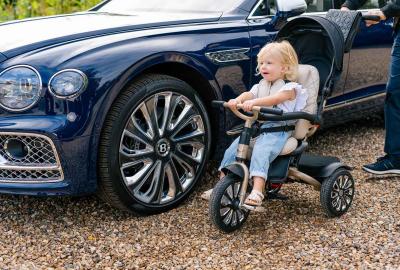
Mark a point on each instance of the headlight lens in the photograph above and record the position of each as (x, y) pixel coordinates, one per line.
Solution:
(68, 83)
(20, 88)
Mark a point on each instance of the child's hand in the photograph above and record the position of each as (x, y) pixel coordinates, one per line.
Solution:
(248, 105)
(232, 103)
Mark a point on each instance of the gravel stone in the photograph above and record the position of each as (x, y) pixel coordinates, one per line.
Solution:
(85, 233)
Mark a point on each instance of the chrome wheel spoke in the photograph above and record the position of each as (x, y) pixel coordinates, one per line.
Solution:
(151, 106)
(174, 180)
(196, 136)
(185, 112)
(224, 211)
(188, 119)
(344, 204)
(335, 202)
(334, 194)
(128, 155)
(234, 219)
(141, 118)
(228, 218)
(349, 191)
(193, 162)
(339, 204)
(186, 161)
(348, 183)
(336, 186)
(226, 201)
(340, 181)
(347, 199)
(229, 192)
(141, 169)
(167, 112)
(137, 138)
(236, 189)
(150, 188)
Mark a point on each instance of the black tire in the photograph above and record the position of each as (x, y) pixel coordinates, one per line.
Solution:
(224, 209)
(337, 193)
(154, 145)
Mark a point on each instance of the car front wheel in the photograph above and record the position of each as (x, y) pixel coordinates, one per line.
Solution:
(154, 145)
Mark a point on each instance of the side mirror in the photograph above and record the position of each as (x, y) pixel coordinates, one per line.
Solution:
(287, 9)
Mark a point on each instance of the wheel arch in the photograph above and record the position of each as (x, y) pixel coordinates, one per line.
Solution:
(179, 66)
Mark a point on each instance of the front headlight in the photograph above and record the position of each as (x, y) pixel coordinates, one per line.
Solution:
(68, 83)
(20, 88)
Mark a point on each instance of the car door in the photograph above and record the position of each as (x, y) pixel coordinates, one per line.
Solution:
(263, 31)
(369, 57)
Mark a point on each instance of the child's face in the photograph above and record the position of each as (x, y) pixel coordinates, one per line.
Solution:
(271, 68)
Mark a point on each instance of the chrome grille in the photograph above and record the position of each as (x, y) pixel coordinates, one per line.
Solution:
(25, 175)
(40, 150)
(40, 164)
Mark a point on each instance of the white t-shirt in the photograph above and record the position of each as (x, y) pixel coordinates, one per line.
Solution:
(265, 88)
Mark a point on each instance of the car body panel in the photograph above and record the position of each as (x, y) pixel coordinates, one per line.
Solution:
(47, 31)
(369, 58)
(113, 53)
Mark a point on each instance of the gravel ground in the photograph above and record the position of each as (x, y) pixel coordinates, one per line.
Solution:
(84, 233)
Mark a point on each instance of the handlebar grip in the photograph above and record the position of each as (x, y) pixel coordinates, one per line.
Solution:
(375, 18)
(217, 103)
(271, 111)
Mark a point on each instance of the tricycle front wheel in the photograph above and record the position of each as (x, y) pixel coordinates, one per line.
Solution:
(224, 206)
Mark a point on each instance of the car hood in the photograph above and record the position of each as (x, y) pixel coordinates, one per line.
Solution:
(23, 36)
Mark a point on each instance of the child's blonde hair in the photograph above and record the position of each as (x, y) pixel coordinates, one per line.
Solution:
(286, 53)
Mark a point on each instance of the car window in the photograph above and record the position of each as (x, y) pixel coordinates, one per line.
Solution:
(265, 8)
(370, 4)
(319, 5)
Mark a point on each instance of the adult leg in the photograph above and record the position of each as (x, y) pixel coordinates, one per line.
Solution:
(391, 162)
(392, 104)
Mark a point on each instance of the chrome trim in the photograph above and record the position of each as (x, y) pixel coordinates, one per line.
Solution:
(214, 56)
(28, 168)
(80, 91)
(37, 97)
(353, 101)
(56, 167)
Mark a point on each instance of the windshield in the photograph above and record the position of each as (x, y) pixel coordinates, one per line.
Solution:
(133, 6)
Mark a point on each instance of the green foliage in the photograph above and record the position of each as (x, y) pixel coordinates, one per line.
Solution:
(20, 9)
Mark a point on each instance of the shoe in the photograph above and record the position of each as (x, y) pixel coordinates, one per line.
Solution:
(383, 165)
(254, 199)
(206, 195)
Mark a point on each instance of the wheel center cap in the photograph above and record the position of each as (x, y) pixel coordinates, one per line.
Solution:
(341, 193)
(163, 147)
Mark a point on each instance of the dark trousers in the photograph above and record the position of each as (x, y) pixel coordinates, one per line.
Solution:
(392, 103)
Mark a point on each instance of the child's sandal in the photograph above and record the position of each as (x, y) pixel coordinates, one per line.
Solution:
(255, 198)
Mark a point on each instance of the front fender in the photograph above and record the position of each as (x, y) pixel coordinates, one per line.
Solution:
(145, 64)
(327, 171)
(235, 169)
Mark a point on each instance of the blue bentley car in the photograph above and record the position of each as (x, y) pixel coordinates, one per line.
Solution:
(117, 100)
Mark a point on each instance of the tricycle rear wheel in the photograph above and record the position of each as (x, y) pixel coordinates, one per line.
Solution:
(337, 193)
